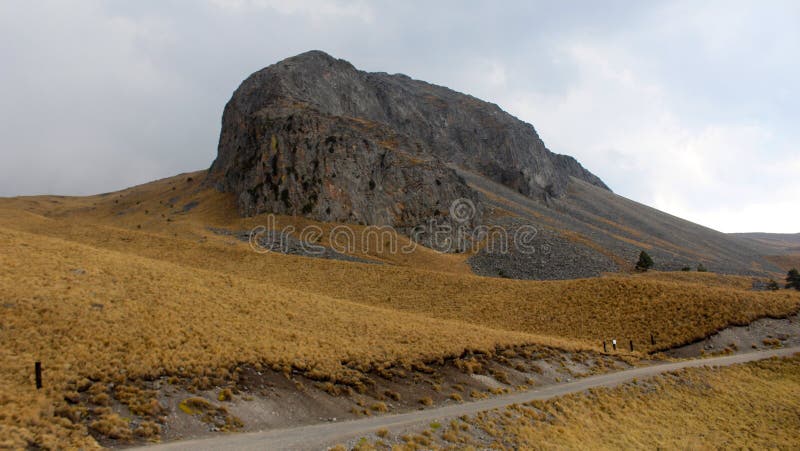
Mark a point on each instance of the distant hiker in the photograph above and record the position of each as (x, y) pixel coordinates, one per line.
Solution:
(614, 344)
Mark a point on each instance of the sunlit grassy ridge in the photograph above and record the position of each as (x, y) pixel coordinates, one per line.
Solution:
(674, 307)
(160, 208)
(750, 406)
(706, 279)
(133, 285)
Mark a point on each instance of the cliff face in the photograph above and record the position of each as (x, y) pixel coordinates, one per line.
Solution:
(312, 135)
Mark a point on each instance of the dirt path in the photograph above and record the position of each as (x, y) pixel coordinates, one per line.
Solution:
(321, 435)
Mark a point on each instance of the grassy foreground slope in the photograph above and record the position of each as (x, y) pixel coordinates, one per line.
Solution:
(111, 317)
(751, 406)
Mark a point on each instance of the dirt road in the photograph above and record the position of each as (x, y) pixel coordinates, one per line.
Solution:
(319, 436)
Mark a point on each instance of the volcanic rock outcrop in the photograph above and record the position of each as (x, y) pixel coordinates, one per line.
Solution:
(314, 136)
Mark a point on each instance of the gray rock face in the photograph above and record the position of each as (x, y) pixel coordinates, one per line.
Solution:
(312, 135)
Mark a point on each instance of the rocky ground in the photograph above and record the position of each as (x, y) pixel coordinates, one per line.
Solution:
(589, 231)
(266, 398)
(764, 333)
(274, 241)
(550, 256)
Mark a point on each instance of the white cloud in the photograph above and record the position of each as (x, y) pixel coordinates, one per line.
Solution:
(317, 9)
(628, 129)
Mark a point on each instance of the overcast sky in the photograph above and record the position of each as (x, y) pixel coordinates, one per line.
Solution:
(690, 107)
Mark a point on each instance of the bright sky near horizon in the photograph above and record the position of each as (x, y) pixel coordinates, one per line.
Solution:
(689, 107)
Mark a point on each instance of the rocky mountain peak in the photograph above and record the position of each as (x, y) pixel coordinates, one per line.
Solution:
(313, 135)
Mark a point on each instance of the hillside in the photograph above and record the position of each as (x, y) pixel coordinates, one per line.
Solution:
(140, 287)
(782, 249)
(773, 243)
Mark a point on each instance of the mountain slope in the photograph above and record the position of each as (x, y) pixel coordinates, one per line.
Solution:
(782, 249)
(773, 243)
(590, 230)
(313, 136)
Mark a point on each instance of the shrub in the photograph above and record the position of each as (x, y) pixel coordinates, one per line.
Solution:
(225, 394)
(379, 407)
(100, 399)
(701, 268)
(793, 279)
(450, 436)
(686, 268)
(426, 401)
(193, 406)
(477, 395)
(112, 426)
(148, 429)
(773, 286)
(501, 376)
(329, 388)
(645, 262)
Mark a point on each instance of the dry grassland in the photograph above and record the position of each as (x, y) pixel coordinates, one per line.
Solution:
(111, 317)
(747, 406)
(676, 308)
(131, 286)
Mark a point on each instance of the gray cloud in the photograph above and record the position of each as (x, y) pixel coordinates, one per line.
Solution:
(684, 106)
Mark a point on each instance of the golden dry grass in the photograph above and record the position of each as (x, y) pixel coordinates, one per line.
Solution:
(157, 208)
(751, 406)
(675, 307)
(87, 312)
(125, 286)
(704, 279)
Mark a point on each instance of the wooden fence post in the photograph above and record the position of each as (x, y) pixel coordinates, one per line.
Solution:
(37, 367)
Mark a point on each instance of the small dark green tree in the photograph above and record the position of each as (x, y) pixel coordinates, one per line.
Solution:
(686, 269)
(793, 279)
(645, 262)
(773, 286)
(701, 268)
